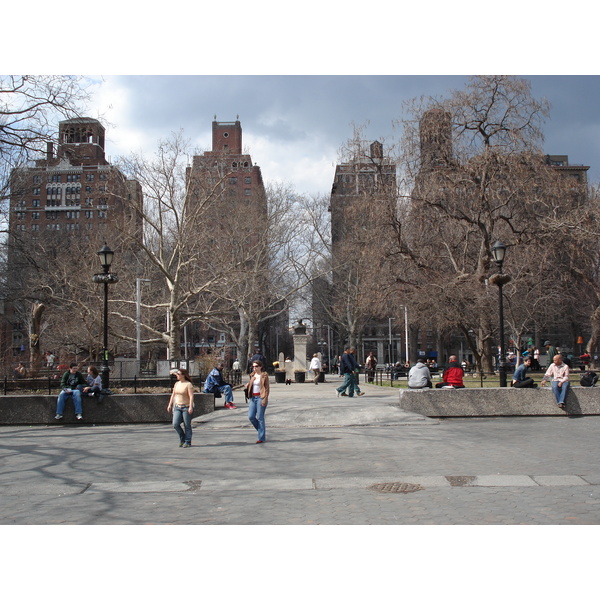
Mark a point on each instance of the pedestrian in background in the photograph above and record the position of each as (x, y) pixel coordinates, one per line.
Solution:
(419, 376)
(315, 367)
(370, 366)
(520, 379)
(452, 376)
(347, 369)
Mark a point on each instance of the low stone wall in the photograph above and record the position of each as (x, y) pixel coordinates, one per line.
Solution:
(116, 408)
(499, 402)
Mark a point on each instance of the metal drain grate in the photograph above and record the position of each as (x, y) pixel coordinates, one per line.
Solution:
(396, 487)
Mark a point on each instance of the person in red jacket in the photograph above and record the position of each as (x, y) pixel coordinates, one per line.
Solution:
(453, 375)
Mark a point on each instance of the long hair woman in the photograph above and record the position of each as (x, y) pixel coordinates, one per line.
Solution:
(258, 398)
(182, 405)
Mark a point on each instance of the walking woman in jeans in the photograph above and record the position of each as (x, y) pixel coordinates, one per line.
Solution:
(258, 398)
(182, 405)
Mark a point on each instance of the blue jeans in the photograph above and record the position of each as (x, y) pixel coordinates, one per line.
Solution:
(560, 392)
(348, 383)
(226, 389)
(256, 416)
(181, 415)
(62, 398)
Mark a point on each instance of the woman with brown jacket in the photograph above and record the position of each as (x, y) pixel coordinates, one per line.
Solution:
(258, 398)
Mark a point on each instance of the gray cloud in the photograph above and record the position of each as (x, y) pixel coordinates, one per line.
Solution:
(289, 118)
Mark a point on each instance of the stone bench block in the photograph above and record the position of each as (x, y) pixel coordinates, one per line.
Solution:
(499, 402)
(115, 409)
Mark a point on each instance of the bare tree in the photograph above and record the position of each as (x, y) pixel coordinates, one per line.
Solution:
(477, 174)
(30, 105)
(173, 250)
(269, 251)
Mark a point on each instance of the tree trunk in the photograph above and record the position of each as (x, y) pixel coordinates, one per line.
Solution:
(35, 355)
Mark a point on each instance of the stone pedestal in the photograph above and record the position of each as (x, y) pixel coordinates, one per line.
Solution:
(300, 343)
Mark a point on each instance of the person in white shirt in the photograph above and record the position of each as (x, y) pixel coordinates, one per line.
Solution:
(315, 367)
(558, 372)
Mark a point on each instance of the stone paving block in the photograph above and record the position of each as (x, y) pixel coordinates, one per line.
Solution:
(503, 481)
(138, 486)
(43, 489)
(257, 484)
(559, 480)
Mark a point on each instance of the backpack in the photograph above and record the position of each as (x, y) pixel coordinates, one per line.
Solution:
(588, 379)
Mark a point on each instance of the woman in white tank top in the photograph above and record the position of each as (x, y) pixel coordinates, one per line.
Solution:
(258, 398)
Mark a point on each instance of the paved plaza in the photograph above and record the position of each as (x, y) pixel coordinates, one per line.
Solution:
(327, 461)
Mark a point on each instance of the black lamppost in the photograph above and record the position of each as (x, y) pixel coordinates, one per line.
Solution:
(106, 257)
(499, 279)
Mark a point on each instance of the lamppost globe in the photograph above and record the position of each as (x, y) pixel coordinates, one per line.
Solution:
(106, 257)
(498, 251)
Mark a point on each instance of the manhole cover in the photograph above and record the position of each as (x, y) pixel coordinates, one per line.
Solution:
(396, 487)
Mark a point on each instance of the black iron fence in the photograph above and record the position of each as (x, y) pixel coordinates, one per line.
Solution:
(50, 384)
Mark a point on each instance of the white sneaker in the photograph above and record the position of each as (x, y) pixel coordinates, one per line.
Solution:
(79, 417)
(337, 393)
(58, 417)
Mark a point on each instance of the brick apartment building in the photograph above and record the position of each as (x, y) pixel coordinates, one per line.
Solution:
(356, 182)
(72, 193)
(227, 175)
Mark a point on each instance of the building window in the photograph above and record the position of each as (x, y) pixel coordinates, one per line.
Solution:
(103, 176)
(36, 191)
(35, 215)
(89, 177)
(36, 202)
(247, 180)
(37, 179)
(248, 192)
(35, 227)
(89, 214)
(233, 180)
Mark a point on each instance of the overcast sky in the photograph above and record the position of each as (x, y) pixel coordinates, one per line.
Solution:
(313, 70)
(293, 126)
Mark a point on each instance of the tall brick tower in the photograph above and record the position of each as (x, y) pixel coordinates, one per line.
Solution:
(226, 173)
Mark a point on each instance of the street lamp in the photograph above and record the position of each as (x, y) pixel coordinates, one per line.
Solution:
(499, 279)
(106, 257)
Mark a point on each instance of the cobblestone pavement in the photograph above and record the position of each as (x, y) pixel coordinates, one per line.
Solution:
(317, 467)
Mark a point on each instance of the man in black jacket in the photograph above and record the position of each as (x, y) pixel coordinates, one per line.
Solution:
(348, 367)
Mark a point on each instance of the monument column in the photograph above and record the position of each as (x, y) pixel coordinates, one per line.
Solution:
(300, 342)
